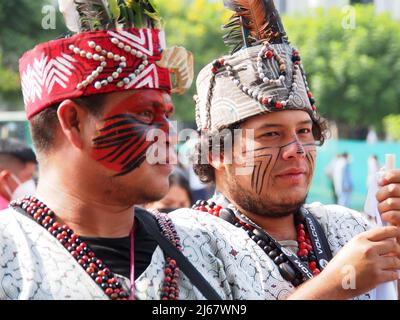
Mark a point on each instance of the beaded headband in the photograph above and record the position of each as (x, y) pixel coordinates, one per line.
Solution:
(263, 76)
(93, 63)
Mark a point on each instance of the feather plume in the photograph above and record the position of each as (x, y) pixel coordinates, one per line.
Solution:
(71, 15)
(145, 13)
(252, 22)
(94, 15)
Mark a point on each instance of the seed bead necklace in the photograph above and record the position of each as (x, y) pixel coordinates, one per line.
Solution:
(87, 259)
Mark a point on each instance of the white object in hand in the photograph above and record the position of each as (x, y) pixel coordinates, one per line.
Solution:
(387, 290)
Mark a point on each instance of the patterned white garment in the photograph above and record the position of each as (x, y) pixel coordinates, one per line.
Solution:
(33, 265)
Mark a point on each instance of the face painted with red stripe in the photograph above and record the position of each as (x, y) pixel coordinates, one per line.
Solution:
(121, 142)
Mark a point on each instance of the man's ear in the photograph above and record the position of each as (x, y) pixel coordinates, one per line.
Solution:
(71, 118)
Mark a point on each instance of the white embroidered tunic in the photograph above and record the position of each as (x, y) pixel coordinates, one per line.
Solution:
(34, 265)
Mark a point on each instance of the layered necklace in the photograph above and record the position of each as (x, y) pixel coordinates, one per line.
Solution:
(94, 266)
(295, 269)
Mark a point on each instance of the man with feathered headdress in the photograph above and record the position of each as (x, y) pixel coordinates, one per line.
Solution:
(259, 131)
(96, 102)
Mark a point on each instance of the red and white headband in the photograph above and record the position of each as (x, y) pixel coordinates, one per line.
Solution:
(93, 63)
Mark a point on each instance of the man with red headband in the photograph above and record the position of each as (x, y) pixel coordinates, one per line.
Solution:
(94, 101)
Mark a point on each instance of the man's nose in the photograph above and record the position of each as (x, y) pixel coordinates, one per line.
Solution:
(293, 149)
(172, 132)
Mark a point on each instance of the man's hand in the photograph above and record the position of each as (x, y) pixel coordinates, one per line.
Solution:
(388, 197)
(373, 257)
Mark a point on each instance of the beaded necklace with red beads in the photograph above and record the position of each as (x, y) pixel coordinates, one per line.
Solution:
(286, 268)
(87, 259)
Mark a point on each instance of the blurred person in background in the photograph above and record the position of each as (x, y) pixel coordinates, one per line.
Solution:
(179, 194)
(373, 168)
(343, 180)
(17, 170)
(329, 171)
(198, 189)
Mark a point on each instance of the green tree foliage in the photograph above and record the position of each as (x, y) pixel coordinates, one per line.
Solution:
(354, 73)
(195, 25)
(20, 30)
(392, 126)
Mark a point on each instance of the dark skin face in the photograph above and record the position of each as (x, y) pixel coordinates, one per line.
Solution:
(282, 164)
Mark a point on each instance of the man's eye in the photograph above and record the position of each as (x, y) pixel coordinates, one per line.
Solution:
(271, 134)
(145, 116)
(305, 131)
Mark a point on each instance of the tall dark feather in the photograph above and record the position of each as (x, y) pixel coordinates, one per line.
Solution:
(255, 21)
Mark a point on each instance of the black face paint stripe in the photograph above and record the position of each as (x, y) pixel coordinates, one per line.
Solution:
(116, 125)
(117, 133)
(264, 173)
(141, 142)
(259, 163)
(290, 143)
(255, 178)
(254, 173)
(112, 142)
(132, 166)
(259, 170)
(121, 136)
(123, 116)
(117, 152)
(262, 148)
(300, 149)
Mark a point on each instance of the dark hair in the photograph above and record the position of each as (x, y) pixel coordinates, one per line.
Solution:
(17, 149)
(177, 178)
(45, 124)
(207, 142)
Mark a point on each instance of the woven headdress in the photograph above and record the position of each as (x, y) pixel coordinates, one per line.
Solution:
(262, 74)
(116, 45)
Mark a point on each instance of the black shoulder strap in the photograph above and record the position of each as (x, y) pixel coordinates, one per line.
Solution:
(194, 276)
(319, 234)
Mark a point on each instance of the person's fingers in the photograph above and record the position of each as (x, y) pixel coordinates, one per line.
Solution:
(382, 233)
(387, 246)
(390, 204)
(391, 217)
(388, 275)
(390, 263)
(388, 191)
(392, 176)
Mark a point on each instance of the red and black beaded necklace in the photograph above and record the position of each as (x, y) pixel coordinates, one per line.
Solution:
(87, 259)
(288, 271)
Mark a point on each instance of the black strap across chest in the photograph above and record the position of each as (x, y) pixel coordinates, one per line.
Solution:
(151, 226)
(195, 277)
